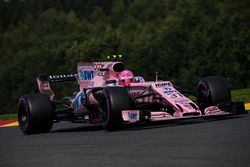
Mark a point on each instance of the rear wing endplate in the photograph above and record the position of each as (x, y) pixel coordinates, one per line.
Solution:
(44, 81)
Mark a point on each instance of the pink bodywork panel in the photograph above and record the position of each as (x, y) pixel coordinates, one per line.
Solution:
(44, 87)
(170, 96)
(90, 75)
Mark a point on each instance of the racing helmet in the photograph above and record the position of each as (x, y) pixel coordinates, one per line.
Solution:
(125, 77)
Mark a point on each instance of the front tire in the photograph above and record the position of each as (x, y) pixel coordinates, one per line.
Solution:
(113, 101)
(212, 90)
(35, 113)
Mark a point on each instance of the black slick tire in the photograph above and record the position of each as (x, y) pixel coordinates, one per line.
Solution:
(35, 113)
(212, 90)
(113, 101)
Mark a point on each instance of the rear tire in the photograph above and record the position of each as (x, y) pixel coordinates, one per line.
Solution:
(35, 113)
(212, 90)
(113, 101)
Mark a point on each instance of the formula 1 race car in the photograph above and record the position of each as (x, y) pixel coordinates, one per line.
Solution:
(111, 96)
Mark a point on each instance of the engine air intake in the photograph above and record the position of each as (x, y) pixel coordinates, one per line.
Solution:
(118, 67)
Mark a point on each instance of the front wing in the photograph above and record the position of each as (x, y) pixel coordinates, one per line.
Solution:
(222, 110)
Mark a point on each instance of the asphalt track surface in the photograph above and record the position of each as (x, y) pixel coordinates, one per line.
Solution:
(190, 143)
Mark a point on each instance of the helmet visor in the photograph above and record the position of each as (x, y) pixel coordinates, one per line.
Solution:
(125, 81)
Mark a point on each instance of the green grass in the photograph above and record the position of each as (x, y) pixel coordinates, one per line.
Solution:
(237, 95)
(241, 95)
(8, 116)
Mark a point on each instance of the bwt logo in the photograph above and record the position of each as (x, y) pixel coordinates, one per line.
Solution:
(132, 116)
(86, 75)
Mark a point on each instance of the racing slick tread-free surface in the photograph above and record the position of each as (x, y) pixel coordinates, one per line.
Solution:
(35, 113)
(115, 99)
(213, 90)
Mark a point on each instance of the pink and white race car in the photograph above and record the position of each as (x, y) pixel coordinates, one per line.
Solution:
(110, 95)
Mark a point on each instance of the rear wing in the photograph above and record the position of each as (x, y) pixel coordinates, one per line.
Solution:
(58, 77)
(44, 81)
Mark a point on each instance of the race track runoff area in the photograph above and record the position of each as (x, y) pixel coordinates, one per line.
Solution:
(7, 123)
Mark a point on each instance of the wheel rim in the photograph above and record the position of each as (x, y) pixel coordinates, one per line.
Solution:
(23, 115)
(104, 110)
(203, 94)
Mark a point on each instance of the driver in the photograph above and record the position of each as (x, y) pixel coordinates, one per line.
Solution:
(125, 77)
